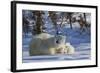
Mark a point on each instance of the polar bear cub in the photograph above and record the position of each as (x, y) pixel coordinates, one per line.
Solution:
(65, 49)
(70, 48)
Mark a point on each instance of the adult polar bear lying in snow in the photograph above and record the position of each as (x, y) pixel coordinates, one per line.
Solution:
(46, 44)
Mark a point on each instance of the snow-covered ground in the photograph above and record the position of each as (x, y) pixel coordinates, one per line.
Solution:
(82, 51)
(81, 43)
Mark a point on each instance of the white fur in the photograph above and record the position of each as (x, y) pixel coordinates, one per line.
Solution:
(45, 44)
(70, 48)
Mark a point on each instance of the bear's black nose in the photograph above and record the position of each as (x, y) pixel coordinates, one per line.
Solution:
(57, 42)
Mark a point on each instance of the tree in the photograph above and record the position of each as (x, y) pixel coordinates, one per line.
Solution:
(53, 17)
(84, 17)
(67, 15)
(25, 25)
(86, 24)
(39, 22)
(70, 17)
(62, 16)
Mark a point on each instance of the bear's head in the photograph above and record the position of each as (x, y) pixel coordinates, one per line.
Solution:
(60, 39)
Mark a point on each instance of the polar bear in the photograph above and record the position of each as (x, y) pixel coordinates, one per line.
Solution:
(46, 44)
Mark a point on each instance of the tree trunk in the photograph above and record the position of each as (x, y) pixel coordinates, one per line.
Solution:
(39, 23)
(85, 20)
(70, 21)
(53, 17)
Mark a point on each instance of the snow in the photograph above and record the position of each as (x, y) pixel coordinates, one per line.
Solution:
(80, 41)
(81, 52)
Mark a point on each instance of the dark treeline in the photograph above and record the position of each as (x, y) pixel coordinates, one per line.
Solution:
(35, 20)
